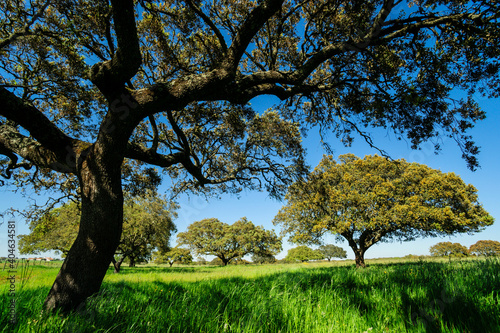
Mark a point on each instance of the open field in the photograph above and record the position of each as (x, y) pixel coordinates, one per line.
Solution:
(388, 296)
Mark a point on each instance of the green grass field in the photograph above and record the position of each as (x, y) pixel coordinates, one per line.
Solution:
(404, 296)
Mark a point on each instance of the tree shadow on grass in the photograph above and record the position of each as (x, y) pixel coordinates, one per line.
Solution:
(158, 270)
(435, 306)
(418, 296)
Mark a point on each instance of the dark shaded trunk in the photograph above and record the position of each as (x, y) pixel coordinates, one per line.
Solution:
(359, 250)
(225, 261)
(131, 262)
(99, 234)
(359, 257)
(170, 263)
(117, 264)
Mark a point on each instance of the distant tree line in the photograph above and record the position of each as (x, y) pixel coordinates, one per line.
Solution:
(487, 248)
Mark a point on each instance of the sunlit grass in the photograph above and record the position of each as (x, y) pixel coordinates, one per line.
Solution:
(416, 296)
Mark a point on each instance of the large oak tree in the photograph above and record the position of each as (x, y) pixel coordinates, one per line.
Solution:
(88, 85)
(374, 199)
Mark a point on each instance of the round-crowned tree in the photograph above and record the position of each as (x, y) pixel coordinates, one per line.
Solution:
(449, 249)
(486, 248)
(229, 241)
(303, 253)
(330, 251)
(365, 201)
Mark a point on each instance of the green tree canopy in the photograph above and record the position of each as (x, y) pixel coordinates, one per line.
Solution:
(229, 241)
(330, 251)
(172, 256)
(374, 199)
(263, 259)
(148, 224)
(485, 248)
(442, 249)
(88, 87)
(303, 253)
(55, 230)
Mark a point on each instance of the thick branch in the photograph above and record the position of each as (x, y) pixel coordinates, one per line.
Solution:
(34, 121)
(253, 23)
(127, 59)
(31, 150)
(176, 94)
(13, 162)
(139, 153)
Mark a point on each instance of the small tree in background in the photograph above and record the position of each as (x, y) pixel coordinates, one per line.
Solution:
(330, 251)
(228, 242)
(486, 248)
(263, 259)
(176, 254)
(442, 249)
(217, 262)
(201, 261)
(148, 221)
(303, 253)
(55, 230)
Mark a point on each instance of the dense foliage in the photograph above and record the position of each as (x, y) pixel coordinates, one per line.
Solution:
(374, 199)
(485, 248)
(330, 251)
(303, 253)
(442, 249)
(263, 259)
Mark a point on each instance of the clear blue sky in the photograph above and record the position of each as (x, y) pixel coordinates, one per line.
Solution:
(260, 209)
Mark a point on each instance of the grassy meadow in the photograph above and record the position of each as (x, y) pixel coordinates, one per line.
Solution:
(398, 296)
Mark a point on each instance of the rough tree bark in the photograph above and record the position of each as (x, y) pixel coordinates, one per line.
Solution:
(99, 234)
(359, 257)
(359, 250)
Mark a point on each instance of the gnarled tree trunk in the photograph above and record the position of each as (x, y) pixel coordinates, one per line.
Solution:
(359, 257)
(117, 264)
(358, 249)
(99, 234)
